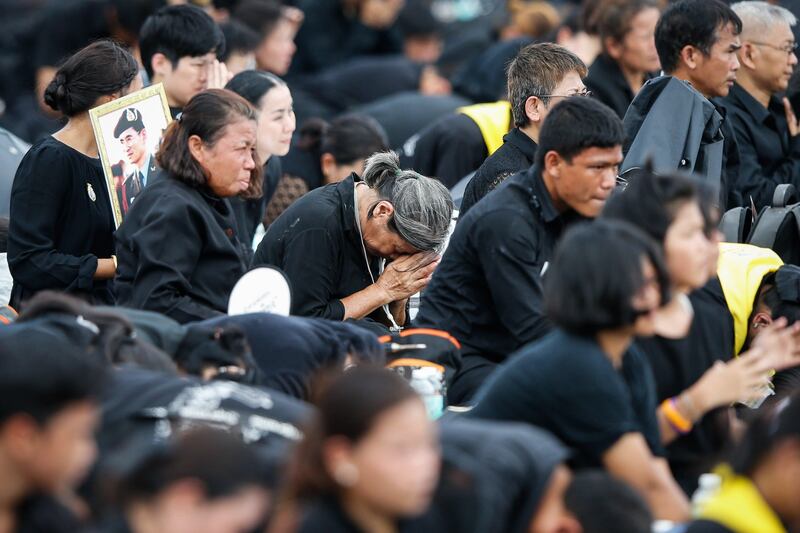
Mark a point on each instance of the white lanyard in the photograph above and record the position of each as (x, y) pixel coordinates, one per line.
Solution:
(381, 262)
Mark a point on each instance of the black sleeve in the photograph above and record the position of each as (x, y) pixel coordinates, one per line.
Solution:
(309, 261)
(162, 275)
(729, 193)
(509, 256)
(752, 181)
(643, 391)
(706, 526)
(40, 187)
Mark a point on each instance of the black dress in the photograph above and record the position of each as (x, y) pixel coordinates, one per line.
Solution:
(60, 224)
(178, 252)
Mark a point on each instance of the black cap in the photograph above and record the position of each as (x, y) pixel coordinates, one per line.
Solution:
(130, 118)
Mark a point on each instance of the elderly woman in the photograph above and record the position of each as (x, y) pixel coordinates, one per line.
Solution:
(178, 252)
(332, 243)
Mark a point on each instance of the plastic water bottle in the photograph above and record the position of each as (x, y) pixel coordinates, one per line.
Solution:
(708, 485)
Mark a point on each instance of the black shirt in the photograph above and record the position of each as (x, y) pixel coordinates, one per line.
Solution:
(60, 223)
(449, 149)
(567, 385)
(515, 155)
(608, 84)
(707, 526)
(769, 156)
(318, 246)
(678, 364)
(326, 514)
(487, 289)
(178, 252)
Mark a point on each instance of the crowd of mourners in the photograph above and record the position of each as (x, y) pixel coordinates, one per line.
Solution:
(542, 258)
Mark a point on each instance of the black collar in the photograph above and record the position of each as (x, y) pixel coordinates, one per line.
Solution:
(521, 142)
(745, 100)
(539, 196)
(346, 190)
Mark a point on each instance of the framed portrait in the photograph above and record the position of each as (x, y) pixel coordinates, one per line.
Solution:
(128, 132)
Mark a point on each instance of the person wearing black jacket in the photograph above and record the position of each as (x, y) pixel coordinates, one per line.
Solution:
(629, 55)
(60, 234)
(487, 289)
(541, 75)
(766, 129)
(178, 250)
(332, 243)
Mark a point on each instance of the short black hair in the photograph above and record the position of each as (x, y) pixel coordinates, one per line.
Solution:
(691, 22)
(179, 31)
(131, 14)
(252, 85)
(43, 371)
(780, 293)
(594, 275)
(603, 504)
(650, 202)
(348, 138)
(575, 124)
(238, 38)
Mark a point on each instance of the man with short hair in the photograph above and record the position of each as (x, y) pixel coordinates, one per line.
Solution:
(487, 289)
(47, 421)
(673, 121)
(180, 46)
(766, 128)
(132, 135)
(541, 75)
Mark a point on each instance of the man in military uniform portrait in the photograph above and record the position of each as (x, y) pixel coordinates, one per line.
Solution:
(132, 136)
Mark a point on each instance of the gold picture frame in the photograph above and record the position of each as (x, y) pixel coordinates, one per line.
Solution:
(128, 132)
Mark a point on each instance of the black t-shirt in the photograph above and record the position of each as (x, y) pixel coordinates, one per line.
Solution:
(515, 155)
(60, 223)
(706, 526)
(678, 364)
(326, 514)
(487, 290)
(567, 385)
(449, 149)
(317, 245)
(178, 252)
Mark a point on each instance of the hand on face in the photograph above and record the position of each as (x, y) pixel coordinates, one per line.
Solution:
(217, 75)
(408, 274)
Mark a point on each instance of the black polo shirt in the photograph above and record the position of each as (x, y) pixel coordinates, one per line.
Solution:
(567, 385)
(487, 289)
(769, 156)
(515, 155)
(608, 84)
(317, 245)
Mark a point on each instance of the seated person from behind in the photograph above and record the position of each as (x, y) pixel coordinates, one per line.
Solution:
(333, 242)
(539, 77)
(487, 290)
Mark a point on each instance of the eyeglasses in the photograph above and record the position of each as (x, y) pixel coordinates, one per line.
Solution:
(582, 93)
(788, 49)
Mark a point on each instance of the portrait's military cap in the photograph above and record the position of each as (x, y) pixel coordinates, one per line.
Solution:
(130, 118)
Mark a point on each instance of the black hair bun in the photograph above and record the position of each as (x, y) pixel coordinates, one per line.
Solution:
(57, 95)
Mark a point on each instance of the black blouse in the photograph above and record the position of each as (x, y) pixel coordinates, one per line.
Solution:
(60, 223)
(317, 244)
(178, 252)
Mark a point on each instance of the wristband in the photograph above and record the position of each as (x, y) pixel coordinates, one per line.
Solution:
(678, 422)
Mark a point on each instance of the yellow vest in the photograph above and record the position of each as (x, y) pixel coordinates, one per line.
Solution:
(493, 119)
(739, 506)
(740, 269)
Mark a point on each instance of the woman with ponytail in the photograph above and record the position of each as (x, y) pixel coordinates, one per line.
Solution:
(178, 250)
(333, 243)
(61, 227)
